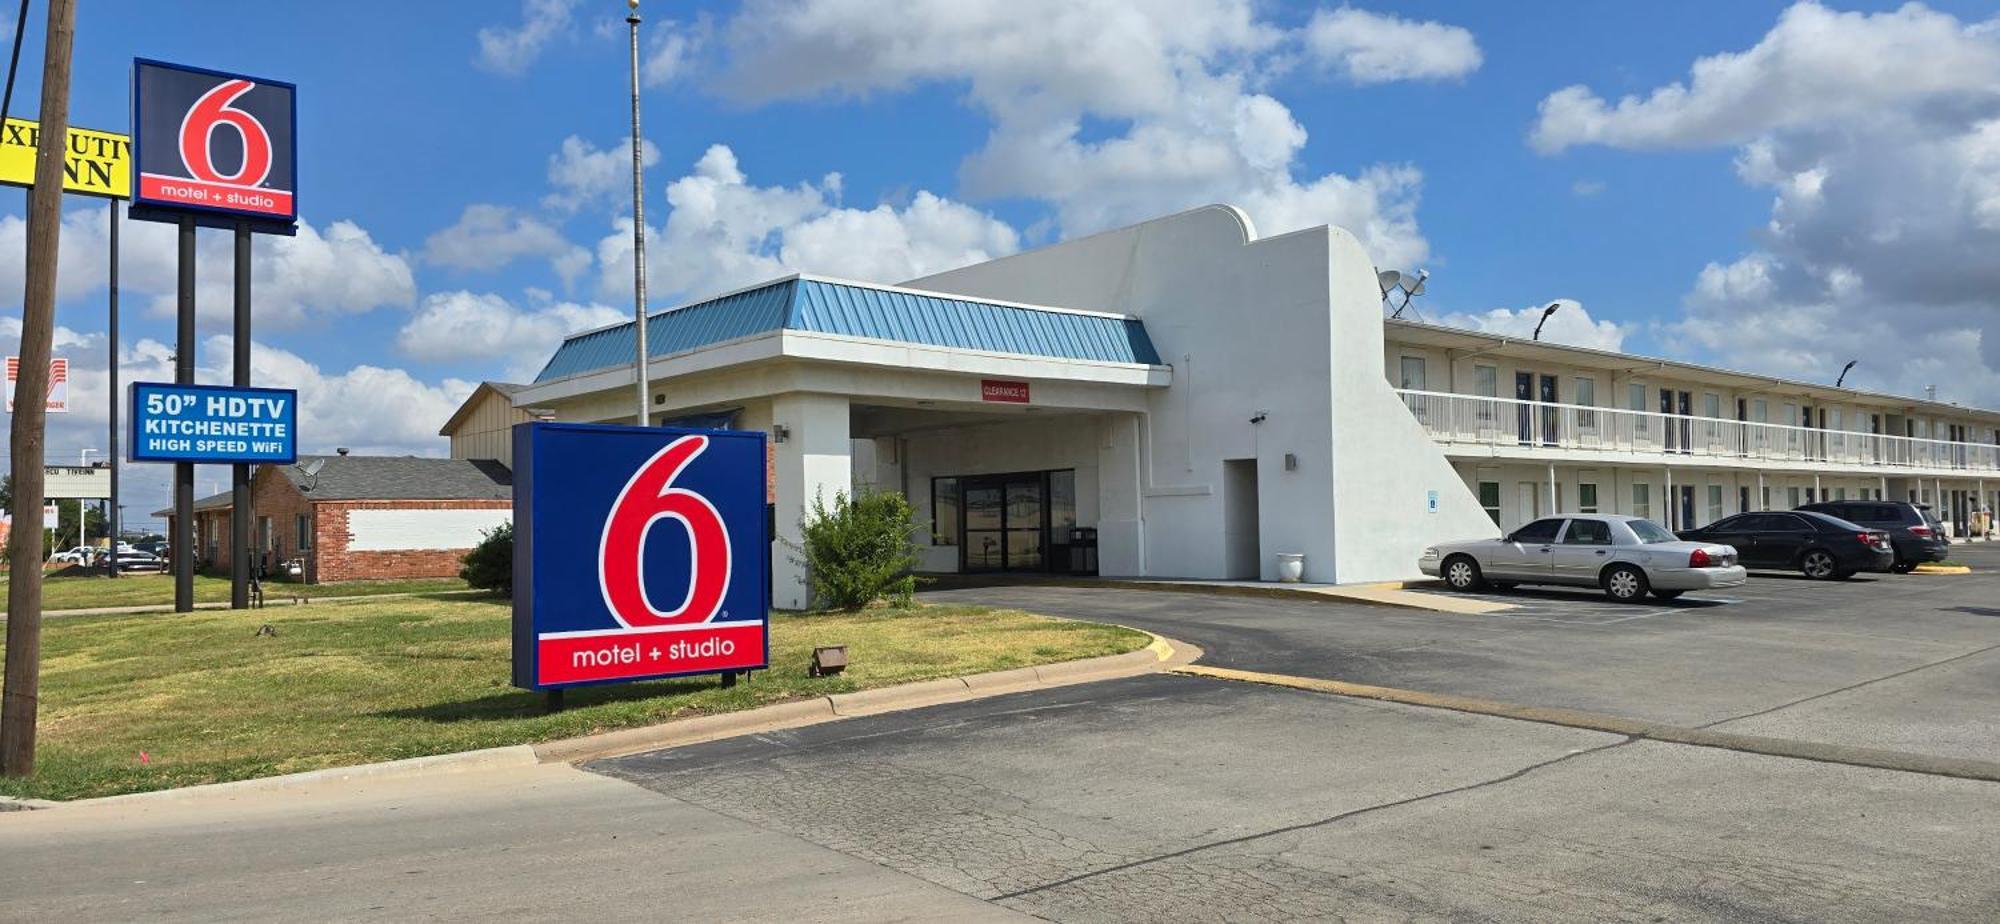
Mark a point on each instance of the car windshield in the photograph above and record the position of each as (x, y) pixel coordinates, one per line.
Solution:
(1650, 532)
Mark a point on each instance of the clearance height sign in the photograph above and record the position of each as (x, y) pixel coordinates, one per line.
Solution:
(639, 552)
(215, 142)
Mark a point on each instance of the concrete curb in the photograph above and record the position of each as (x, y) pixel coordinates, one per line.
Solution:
(1159, 655)
(14, 804)
(1940, 569)
(519, 755)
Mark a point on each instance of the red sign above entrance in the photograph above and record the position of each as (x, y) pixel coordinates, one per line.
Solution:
(1003, 390)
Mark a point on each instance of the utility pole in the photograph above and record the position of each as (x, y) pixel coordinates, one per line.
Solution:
(22, 691)
(638, 229)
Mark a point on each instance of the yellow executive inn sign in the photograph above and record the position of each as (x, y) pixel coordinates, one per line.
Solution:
(97, 163)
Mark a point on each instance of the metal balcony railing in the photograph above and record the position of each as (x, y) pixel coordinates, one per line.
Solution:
(1452, 418)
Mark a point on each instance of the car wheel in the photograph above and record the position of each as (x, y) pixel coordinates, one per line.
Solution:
(1903, 567)
(1625, 584)
(1461, 573)
(1818, 564)
(1668, 594)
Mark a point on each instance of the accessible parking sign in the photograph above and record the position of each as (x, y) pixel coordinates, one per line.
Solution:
(213, 423)
(639, 553)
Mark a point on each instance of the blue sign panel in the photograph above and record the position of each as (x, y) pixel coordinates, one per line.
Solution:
(213, 423)
(639, 552)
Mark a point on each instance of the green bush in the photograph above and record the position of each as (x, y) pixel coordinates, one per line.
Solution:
(490, 564)
(861, 550)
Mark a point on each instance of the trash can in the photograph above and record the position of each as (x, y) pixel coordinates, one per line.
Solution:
(1291, 567)
(1083, 550)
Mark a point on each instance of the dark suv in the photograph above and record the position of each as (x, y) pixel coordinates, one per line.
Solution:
(1917, 535)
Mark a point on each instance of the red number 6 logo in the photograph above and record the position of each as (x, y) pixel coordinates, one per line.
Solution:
(647, 498)
(198, 127)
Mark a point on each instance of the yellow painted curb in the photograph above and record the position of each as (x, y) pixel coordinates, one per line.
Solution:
(1941, 569)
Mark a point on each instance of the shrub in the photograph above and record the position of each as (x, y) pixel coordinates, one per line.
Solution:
(490, 564)
(861, 550)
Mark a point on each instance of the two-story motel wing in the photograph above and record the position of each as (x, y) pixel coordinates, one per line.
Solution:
(1181, 398)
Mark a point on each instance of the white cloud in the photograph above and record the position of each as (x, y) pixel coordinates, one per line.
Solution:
(489, 237)
(368, 408)
(1376, 48)
(583, 175)
(674, 50)
(1177, 81)
(512, 49)
(1570, 324)
(722, 231)
(1814, 68)
(1585, 189)
(1878, 138)
(293, 279)
(465, 325)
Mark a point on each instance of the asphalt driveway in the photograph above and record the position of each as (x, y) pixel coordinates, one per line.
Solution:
(1176, 798)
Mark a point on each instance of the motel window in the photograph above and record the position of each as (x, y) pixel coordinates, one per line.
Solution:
(265, 538)
(1486, 382)
(1767, 498)
(1642, 500)
(1839, 494)
(1489, 498)
(944, 511)
(1711, 405)
(1760, 411)
(1714, 502)
(1791, 498)
(1586, 497)
(304, 530)
(1635, 400)
(1413, 373)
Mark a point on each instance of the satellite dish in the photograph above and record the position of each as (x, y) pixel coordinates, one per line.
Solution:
(1418, 289)
(312, 468)
(1388, 279)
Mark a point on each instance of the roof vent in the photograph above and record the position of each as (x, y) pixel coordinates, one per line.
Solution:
(342, 450)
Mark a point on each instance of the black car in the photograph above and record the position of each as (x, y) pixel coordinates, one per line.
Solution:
(1819, 546)
(1915, 533)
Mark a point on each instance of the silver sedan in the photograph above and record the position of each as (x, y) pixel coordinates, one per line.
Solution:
(1628, 557)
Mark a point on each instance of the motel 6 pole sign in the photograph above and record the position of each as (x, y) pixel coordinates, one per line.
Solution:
(639, 553)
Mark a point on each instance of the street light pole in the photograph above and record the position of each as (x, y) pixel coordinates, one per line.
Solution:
(638, 230)
(1551, 309)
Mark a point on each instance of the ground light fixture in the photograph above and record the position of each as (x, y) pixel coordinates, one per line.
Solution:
(827, 660)
(1551, 309)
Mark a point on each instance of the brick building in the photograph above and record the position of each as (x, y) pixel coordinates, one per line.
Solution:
(347, 517)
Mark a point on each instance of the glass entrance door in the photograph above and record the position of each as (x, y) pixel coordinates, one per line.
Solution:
(1006, 523)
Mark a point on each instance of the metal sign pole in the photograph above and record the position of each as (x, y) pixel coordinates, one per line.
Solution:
(239, 473)
(111, 512)
(183, 540)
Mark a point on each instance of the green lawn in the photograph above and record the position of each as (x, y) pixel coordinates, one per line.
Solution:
(77, 592)
(207, 699)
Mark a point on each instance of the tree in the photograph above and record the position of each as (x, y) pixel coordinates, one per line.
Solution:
(857, 552)
(490, 564)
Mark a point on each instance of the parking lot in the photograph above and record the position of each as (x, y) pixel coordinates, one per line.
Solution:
(1192, 798)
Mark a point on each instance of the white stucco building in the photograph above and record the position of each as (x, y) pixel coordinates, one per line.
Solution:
(1202, 399)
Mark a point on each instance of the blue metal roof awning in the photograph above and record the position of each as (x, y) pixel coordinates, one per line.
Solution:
(802, 303)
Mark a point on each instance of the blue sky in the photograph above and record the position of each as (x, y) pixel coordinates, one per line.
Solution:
(1703, 225)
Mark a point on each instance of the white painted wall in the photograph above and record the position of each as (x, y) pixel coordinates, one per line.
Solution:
(814, 461)
(402, 530)
(1288, 327)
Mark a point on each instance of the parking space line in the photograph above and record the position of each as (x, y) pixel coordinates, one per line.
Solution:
(1820, 752)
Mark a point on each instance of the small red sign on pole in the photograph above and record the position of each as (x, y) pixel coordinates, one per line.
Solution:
(1003, 390)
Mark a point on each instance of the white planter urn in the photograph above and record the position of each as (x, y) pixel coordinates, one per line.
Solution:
(1291, 567)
